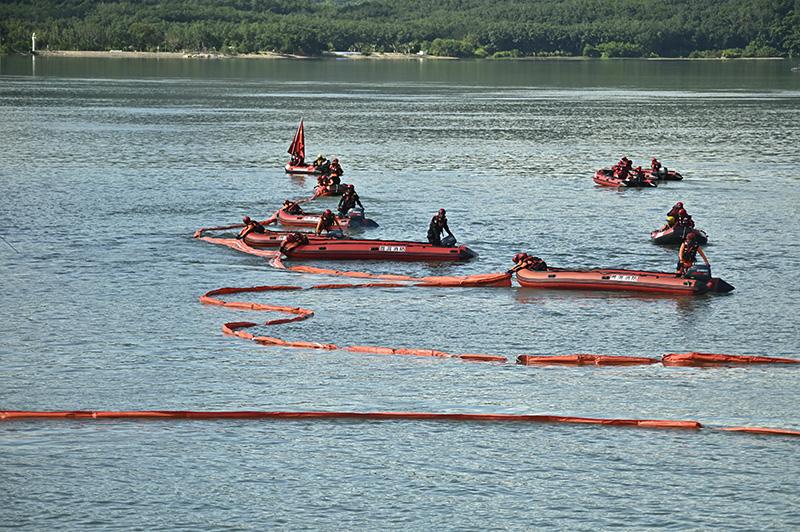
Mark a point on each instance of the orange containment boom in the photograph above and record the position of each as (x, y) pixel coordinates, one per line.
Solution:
(417, 416)
(584, 360)
(23, 415)
(713, 359)
(763, 430)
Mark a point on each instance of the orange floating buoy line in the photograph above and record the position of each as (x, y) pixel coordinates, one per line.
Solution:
(237, 328)
(498, 279)
(23, 415)
(295, 314)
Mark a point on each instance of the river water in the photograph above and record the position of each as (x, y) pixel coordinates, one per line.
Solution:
(108, 165)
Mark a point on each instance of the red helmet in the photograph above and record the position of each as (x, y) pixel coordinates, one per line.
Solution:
(520, 257)
(336, 160)
(638, 168)
(679, 205)
(327, 212)
(351, 187)
(654, 160)
(691, 236)
(246, 219)
(682, 212)
(442, 212)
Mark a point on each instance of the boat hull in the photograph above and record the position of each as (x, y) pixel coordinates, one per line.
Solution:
(670, 175)
(675, 235)
(301, 169)
(619, 280)
(605, 177)
(356, 249)
(311, 220)
(329, 190)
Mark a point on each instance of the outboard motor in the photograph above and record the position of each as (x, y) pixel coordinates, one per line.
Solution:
(700, 272)
(356, 215)
(449, 241)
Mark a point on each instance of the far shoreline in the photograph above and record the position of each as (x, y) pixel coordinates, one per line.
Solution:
(355, 56)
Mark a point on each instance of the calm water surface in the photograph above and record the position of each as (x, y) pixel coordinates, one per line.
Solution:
(108, 166)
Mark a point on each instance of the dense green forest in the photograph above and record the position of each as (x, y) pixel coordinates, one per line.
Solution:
(462, 28)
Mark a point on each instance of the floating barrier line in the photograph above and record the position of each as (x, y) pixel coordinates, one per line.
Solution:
(237, 328)
(23, 415)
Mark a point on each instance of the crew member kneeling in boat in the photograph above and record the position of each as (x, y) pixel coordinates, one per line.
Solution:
(250, 226)
(655, 167)
(326, 222)
(291, 207)
(637, 178)
(293, 240)
(335, 169)
(437, 227)
(687, 254)
(349, 200)
(321, 163)
(672, 215)
(523, 261)
(684, 219)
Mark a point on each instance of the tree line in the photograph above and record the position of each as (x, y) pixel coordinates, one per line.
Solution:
(460, 28)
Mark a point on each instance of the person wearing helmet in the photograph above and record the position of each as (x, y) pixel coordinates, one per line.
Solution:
(349, 200)
(675, 209)
(293, 240)
(523, 261)
(250, 226)
(636, 178)
(438, 226)
(655, 167)
(687, 254)
(623, 171)
(291, 207)
(684, 219)
(335, 169)
(326, 222)
(322, 164)
(672, 215)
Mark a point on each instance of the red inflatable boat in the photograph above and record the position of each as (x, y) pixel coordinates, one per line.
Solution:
(605, 177)
(356, 219)
(676, 234)
(669, 175)
(301, 169)
(330, 190)
(626, 280)
(274, 239)
(324, 248)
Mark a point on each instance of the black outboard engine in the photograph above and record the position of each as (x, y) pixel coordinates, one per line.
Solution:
(449, 241)
(357, 219)
(700, 272)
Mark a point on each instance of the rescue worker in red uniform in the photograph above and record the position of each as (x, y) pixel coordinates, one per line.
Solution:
(687, 254)
(293, 240)
(349, 200)
(523, 261)
(250, 226)
(655, 167)
(438, 226)
(335, 169)
(672, 215)
(291, 207)
(326, 223)
(684, 219)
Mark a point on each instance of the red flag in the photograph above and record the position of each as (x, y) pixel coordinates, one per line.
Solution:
(298, 145)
